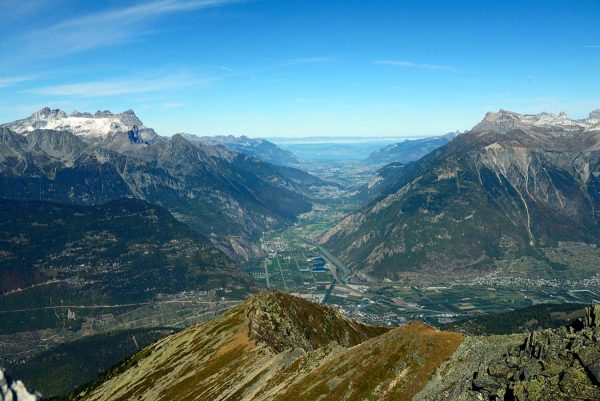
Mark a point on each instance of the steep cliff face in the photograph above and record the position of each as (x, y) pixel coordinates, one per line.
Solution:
(508, 187)
(278, 347)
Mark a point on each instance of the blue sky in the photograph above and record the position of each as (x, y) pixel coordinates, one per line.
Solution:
(300, 68)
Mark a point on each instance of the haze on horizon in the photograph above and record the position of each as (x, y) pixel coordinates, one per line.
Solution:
(268, 68)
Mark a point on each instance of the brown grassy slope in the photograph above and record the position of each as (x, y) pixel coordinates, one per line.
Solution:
(279, 347)
(393, 366)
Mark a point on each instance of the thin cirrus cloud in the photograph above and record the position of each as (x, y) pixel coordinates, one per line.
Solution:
(20, 9)
(172, 105)
(123, 86)
(402, 63)
(108, 27)
(15, 80)
(308, 60)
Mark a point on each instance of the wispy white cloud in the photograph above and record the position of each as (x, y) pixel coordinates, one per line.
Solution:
(123, 86)
(404, 63)
(108, 27)
(333, 100)
(395, 62)
(308, 60)
(438, 67)
(172, 105)
(19, 9)
(11, 81)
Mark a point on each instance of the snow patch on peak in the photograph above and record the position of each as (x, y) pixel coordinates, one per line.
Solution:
(505, 120)
(99, 125)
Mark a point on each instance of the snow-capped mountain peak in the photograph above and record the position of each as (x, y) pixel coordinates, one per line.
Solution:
(90, 126)
(504, 121)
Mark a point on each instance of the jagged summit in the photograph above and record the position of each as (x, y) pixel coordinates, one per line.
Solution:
(504, 121)
(283, 321)
(99, 126)
(47, 112)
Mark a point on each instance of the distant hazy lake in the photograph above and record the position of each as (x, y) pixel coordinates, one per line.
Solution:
(336, 148)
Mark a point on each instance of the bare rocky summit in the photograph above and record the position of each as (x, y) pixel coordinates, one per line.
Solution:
(553, 364)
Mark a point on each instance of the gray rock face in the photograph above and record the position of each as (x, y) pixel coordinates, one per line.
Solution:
(15, 390)
(513, 184)
(559, 364)
(92, 128)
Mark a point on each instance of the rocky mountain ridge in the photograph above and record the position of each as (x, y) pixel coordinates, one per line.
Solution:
(226, 196)
(509, 187)
(504, 121)
(91, 127)
(552, 364)
(256, 147)
(409, 150)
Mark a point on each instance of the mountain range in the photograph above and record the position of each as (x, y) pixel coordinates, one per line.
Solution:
(227, 196)
(409, 150)
(255, 147)
(98, 127)
(511, 187)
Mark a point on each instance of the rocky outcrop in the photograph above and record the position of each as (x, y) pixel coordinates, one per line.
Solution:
(552, 364)
(15, 390)
(283, 322)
